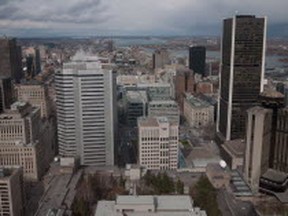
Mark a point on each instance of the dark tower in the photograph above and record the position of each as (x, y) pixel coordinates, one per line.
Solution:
(10, 59)
(197, 59)
(242, 71)
(6, 94)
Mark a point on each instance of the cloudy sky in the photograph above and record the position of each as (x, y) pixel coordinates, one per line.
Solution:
(132, 17)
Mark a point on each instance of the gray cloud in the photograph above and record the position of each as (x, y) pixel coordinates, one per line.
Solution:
(132, 16)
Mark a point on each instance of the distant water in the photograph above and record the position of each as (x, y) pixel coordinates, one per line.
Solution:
(272, 61)
(124, 42)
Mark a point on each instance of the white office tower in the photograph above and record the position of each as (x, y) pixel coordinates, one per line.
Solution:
(158, 143)
(86, 110)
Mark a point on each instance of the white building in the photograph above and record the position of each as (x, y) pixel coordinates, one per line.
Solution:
(197, 112)
(86, 110)
(173, 205)
(164, 108)
(158, 143)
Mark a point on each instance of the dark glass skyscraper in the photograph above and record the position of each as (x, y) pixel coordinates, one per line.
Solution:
(10, 59)
(197, 59)
(242, 72)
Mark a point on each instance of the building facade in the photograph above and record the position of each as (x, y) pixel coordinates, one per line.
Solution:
(10, 59)
(197, 59)
(158, 143)
(86, 110)
(197, 112)
(160, 58)
(164, 108)
(11, 189)
(36, 95)
(136, 106)
(24, 141)
(6, 93)
(242, 72)
(257, 152)
(183, 83)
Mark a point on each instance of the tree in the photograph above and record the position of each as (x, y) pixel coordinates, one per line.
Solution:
(180, 187)
(205, 196)
(80, 207)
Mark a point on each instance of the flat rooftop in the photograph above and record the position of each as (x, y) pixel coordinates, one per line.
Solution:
(172, 205)
(236, 147)
(135, 200)
(136, 96)
(154, 121)
(197, 102)
(275, 175)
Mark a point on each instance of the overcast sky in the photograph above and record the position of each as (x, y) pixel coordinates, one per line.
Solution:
(132, 17)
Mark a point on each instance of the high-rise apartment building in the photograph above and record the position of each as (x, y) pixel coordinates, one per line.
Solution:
(158, 143)
(10, 59)
(86, 110)
(11, 191)
(242, 72)
(6, 93)
(197, 59)
(36, 94)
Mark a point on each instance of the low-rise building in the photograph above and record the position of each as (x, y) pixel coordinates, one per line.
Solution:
(197, 112)
(173, 205)
(11, 191)
(164, 108)
(158, 143)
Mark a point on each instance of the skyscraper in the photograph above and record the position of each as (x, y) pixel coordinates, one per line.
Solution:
(10, 59)
(242, 72)
(6, 93)
(197, 59)
(86, 110)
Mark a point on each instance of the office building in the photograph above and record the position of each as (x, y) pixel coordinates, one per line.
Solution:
(197, 112)
(164, 108)
(10, 59)
(173, 205)
(160, 58)
(280, 152)
(183, 83)
(156, 91)
(6, 93)
(86, 110)
(136, 103)
(158, 143)
(274, 101)
(197, 59)
(33, 62)
(11, 191)
(36, 94)
(257, 152)
(242, 72)
(25, 140)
